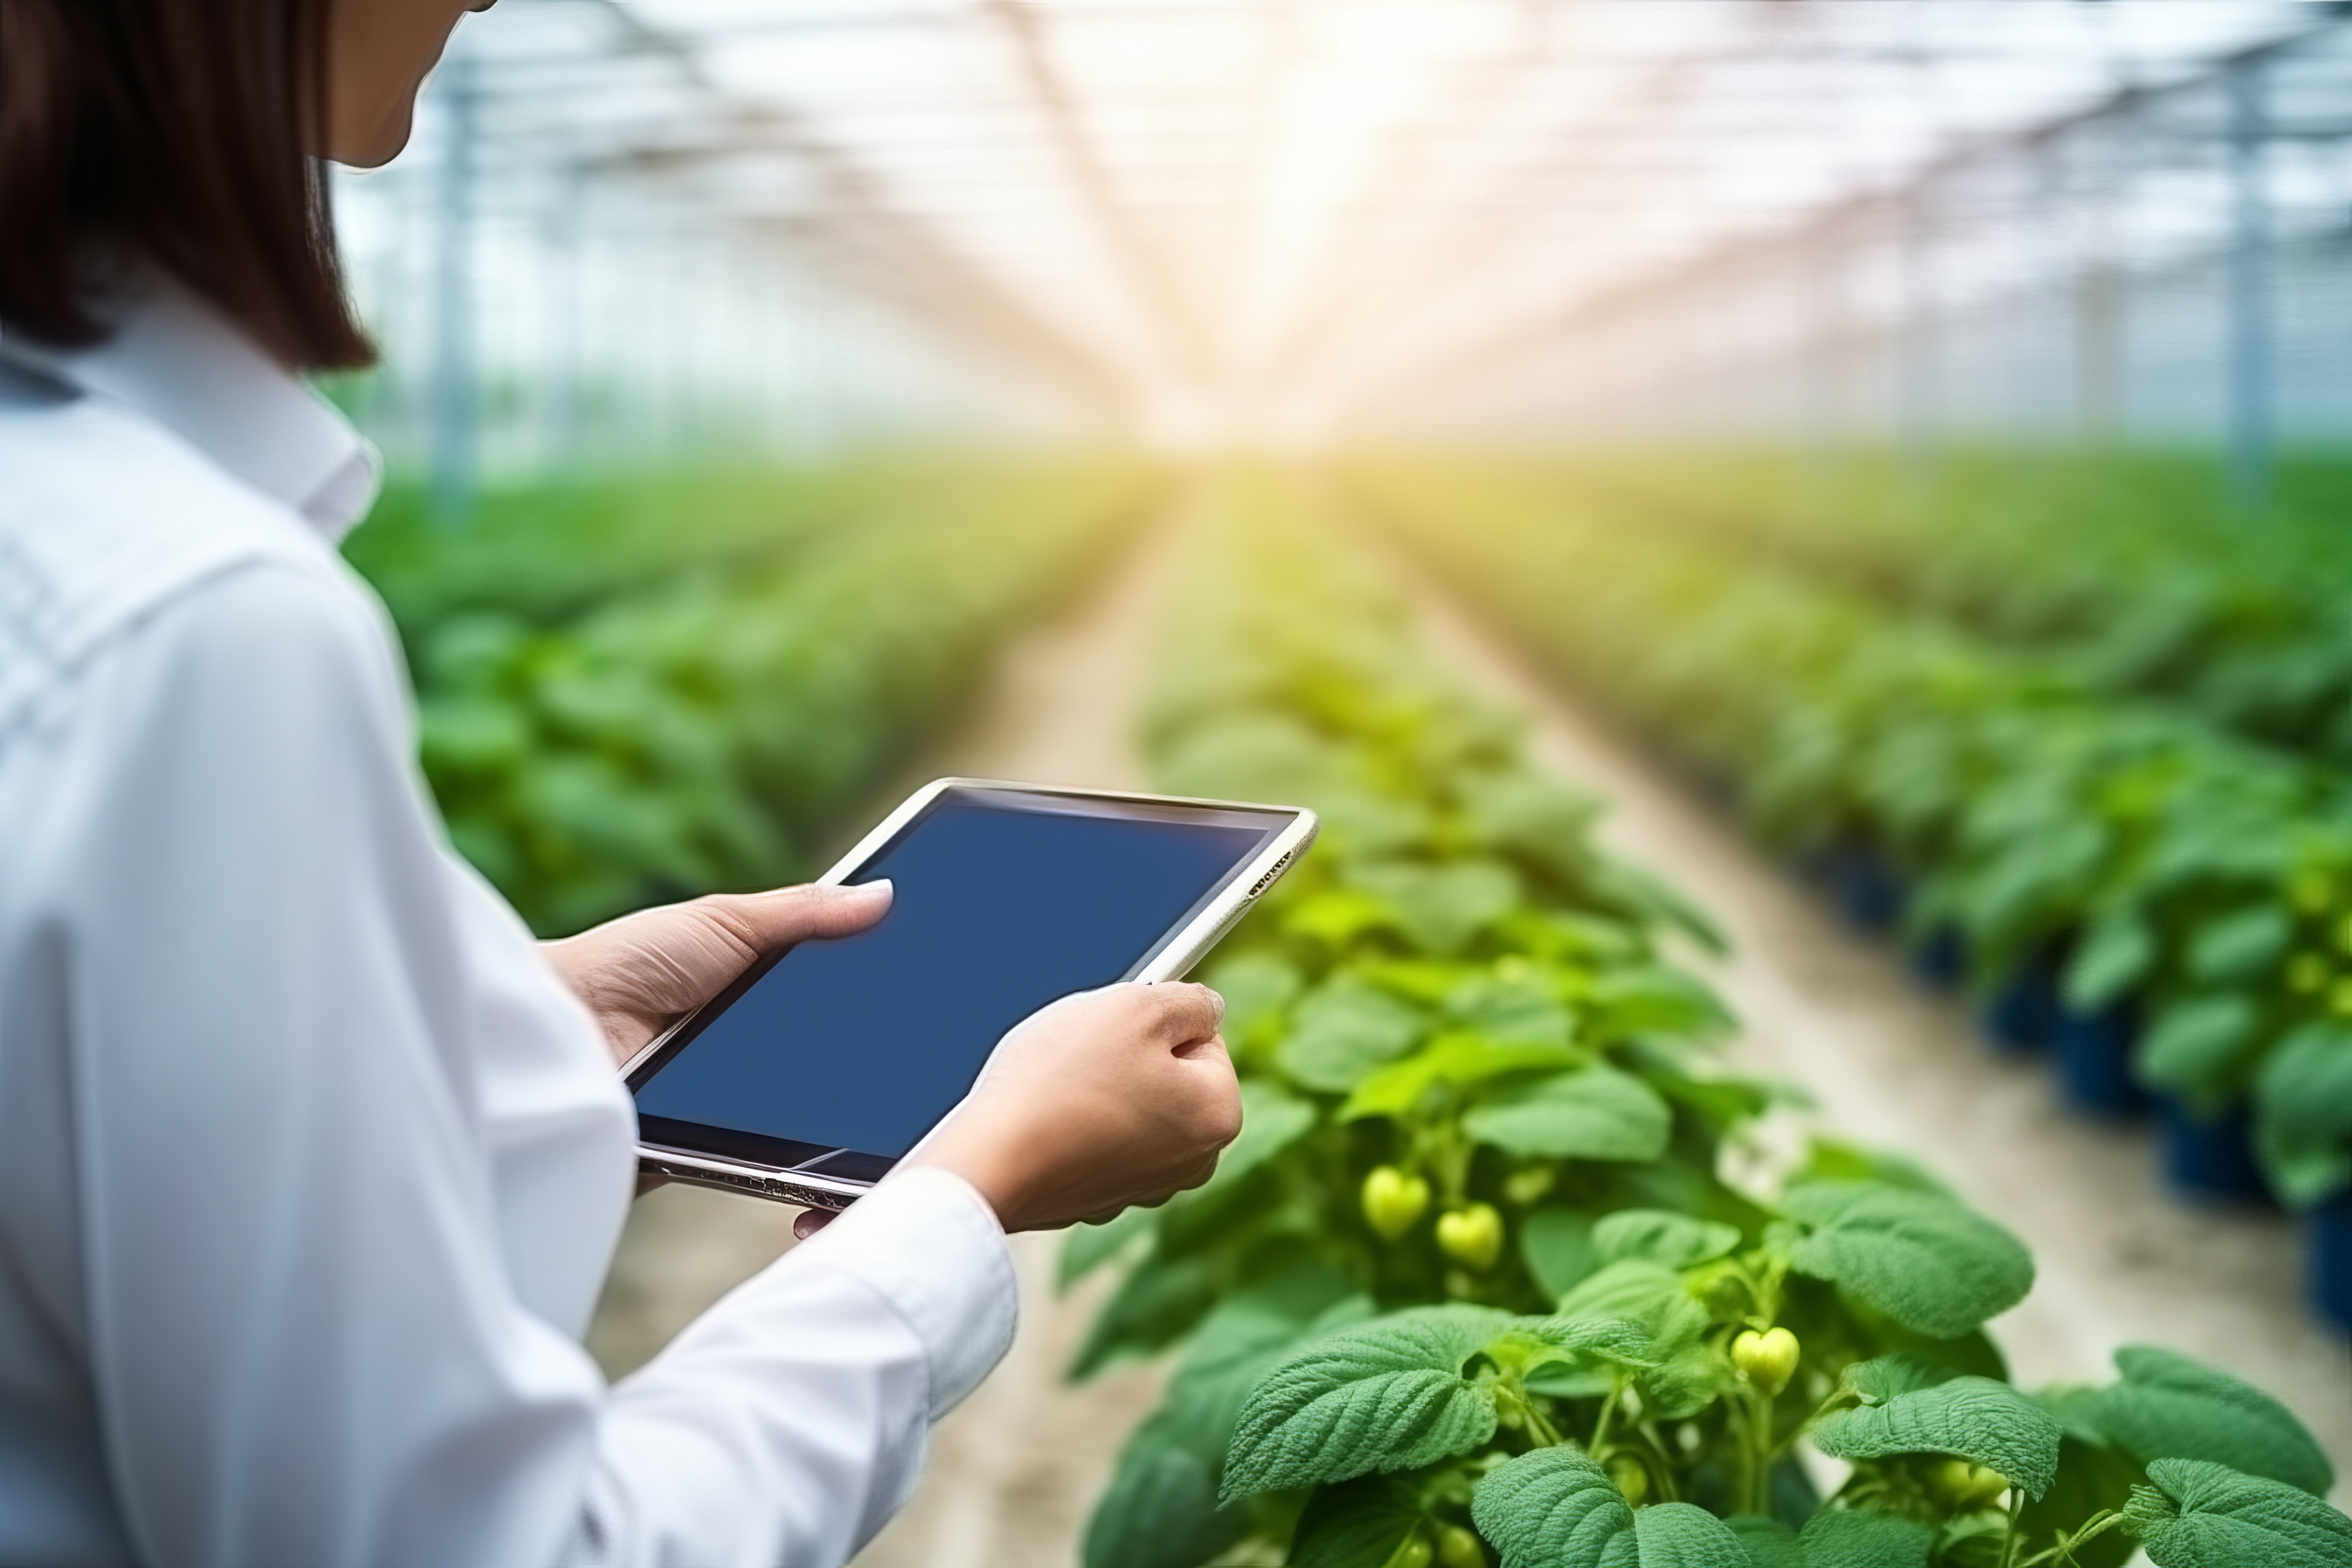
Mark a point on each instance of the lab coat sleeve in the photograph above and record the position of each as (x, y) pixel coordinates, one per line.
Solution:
(304, 1341)
(912, 1287)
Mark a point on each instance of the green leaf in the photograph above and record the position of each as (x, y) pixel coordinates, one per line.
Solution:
(1618, 1340)
(1158, 1299)
(1768, 1542)
(1441, 908)
(1679, 1535)
(1864, 1537)
(1343, 1030)
(1337, 915)
(1836, 1538)
(1653, 999)
(1273, 1119)
(1357, 1525)
(1977, 1540)
(1926, 1261)
(2302, 1113)
(1556, 1508)
(1558, 1247)
(1987, 1423)
(1830, 1161)
(1521, 1012)
(2201, 1515)
(1636, 1290)
(1243, 1338)
(2241, 945)
(2170, 1407)
(1690, 1379)
(2192, 1045)
(1457, 1057)
(1161, 1509)
(1088, 1247)
(2091, 1476)
(1596, 1113)
(1538, 816)
(1661, 1235)
(2115, 953)
(1388, 1395)
(1256, 987)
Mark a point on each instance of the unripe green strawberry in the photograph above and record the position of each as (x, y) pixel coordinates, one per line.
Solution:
(1414, 1552)
(1471, 1237)
(1964, 1488)
(1631, 1478)
(1767, 1359)
(1393, 1201)
(2312, 891)
(1524, 1187)
(1459, 1548)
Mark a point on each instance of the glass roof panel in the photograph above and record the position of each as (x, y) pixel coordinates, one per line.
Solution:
(1239, 199)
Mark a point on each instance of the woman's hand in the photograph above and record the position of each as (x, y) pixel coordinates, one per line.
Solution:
(1103, 1100)
(638, 973)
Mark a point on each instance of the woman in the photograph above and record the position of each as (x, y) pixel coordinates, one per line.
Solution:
(310, 1162)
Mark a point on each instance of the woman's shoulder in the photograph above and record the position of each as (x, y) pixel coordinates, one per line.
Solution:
(108, 521)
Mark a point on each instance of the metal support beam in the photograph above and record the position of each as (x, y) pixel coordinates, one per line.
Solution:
(1411, 166)
(1919, 353)
(2249, 437)
(897, 254)
(1421, 376)
(1167, 308)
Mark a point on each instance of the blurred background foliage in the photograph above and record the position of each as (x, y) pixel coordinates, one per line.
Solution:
(679, 683)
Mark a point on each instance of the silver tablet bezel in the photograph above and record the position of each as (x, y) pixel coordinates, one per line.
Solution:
(1172, 959)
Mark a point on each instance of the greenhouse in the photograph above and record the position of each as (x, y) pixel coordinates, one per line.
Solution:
(1792, 548)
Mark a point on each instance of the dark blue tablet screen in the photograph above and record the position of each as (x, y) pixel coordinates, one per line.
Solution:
(866, 1042)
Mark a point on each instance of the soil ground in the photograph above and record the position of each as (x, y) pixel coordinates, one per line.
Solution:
(1885, 1060)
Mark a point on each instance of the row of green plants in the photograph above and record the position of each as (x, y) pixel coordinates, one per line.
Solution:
(543, 550)
(665, 689)
(2130, 572)
(2191, 892)
(1493, 1273)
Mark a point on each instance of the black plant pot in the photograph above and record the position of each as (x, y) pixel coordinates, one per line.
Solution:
(2023, 1016)
(1943, 958)
(2328, 1234)
(1717, 788)
(2209, 1154)
(1865, 889)
(2095, 1052)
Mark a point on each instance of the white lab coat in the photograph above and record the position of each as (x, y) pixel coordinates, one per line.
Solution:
(310, 1168)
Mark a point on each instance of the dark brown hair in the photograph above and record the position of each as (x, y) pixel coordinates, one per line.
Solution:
(177, 131)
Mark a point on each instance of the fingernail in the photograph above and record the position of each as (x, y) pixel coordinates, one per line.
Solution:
(1219, 998)
(881, 883)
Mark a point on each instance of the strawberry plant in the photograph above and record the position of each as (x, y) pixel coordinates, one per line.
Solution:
(1634, 1424)
(1474, 1286)
(2130, 573)
(632, 734)
(2191, 884)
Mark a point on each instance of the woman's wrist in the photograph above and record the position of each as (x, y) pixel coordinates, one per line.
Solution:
(982, 1167)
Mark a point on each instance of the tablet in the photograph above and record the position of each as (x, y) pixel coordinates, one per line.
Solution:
(821, 1068)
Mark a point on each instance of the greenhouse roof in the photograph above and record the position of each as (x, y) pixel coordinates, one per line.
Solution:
(1238, 195)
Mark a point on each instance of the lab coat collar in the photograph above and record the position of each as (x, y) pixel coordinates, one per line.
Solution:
(177, 361)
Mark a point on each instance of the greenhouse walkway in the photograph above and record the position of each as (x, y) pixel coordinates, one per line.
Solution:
(1886, 1061)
